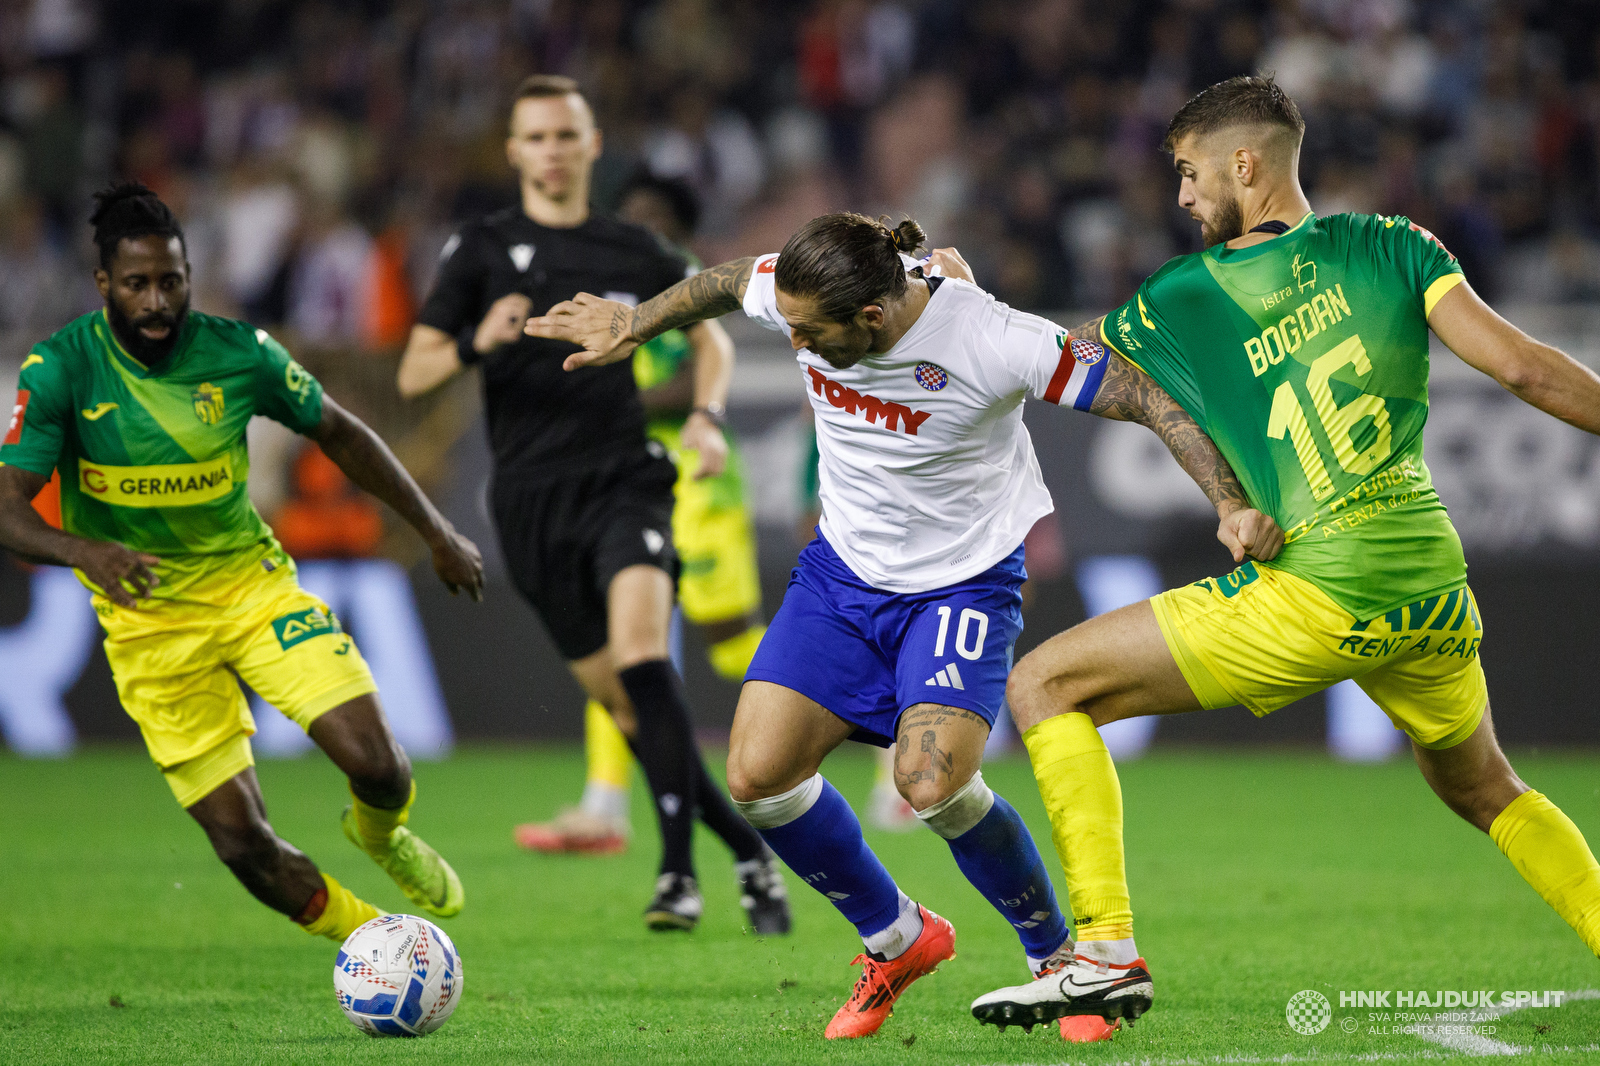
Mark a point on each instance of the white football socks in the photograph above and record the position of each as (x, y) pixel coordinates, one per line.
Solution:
(1116, 952)
(897, 938)
(605, 801)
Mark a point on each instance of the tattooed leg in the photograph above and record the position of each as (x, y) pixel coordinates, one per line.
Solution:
(937, 750)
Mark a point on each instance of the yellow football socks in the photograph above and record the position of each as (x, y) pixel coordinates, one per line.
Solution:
(610, 761)
(1551, 855)
(374, 825)
(731, 658)
(1084, 800)
(340, 914)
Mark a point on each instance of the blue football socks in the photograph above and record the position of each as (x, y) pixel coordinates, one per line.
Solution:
(816, 833)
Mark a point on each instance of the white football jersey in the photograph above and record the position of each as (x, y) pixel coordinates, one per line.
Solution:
(928, 475)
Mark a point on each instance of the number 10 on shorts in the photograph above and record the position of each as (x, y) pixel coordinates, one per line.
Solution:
(963, 628)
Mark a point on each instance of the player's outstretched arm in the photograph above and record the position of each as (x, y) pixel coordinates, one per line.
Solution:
(1128, 394)
(106, 564)
(1545, 377)
(368, 462)
(609, 331)
(713, 375)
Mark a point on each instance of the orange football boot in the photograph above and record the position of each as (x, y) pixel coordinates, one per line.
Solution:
(573, 832)
(1088, 1028)
(881, 983)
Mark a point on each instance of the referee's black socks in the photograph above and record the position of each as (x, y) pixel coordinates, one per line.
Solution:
(664, 745)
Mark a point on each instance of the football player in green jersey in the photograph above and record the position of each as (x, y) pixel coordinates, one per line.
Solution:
(1300, 346)
(142, 409)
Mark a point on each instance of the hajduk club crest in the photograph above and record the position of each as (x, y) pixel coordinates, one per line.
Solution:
(931, 376)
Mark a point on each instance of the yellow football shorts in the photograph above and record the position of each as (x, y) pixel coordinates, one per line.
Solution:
(178, 664)
(1263, 637)
(716, 546)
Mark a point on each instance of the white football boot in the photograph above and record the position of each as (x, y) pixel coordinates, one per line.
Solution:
(1082, 986)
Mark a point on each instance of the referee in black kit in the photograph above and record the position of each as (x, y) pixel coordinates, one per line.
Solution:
(582, 500)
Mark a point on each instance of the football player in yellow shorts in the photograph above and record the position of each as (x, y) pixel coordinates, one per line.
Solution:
(1299, 344)
(142, 407)
(719, 589)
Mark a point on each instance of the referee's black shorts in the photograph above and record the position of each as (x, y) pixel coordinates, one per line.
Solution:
(564, 540)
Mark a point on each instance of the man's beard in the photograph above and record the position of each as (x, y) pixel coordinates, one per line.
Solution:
(149, 352)
(1225, 223)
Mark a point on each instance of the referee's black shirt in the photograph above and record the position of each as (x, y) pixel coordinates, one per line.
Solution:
(546, 423)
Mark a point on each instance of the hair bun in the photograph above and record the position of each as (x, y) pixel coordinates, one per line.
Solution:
(907, 237)
(117, 193)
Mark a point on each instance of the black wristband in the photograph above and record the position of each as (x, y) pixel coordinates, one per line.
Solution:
(716, 412)
(465, 352)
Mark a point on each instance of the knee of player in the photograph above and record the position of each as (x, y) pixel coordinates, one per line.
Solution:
(924, 791)
(383, 772)
(1025, 695)
(250, 844)
(751, 778)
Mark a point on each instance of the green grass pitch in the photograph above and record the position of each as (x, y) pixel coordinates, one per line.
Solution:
(1254, 876)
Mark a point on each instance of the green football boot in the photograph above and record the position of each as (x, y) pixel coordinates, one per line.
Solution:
(422, 874)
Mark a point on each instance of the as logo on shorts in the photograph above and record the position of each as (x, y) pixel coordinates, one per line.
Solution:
(931, 376)
(291, 629)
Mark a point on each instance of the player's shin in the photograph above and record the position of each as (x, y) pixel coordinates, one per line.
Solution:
(815, 832)
(335, 912)
(610, 766)
(1550, 853)
(993, 848)
(1078, 783)
(664, 745)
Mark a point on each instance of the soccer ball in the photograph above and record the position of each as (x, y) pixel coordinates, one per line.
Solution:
(398, 975)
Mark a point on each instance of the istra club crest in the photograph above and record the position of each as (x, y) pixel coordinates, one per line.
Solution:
(931, 377)
(208, 403)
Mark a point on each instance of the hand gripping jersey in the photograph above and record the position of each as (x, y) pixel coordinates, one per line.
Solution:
(927, 474)
(157, 461)
(1305, 358)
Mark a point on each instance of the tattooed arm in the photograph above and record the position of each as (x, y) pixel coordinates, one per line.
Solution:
(609, 331)
(1128, 394)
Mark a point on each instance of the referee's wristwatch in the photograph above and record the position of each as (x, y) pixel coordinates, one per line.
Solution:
(716, 412)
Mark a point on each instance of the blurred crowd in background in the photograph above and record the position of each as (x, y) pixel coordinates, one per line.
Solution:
(320, 150)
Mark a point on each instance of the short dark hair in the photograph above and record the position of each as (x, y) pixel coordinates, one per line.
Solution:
(846, 261)
(1241, 101)
(128, 210)
(541, 86)
(676, 192)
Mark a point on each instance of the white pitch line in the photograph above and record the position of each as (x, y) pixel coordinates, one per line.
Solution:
(1475, 1044)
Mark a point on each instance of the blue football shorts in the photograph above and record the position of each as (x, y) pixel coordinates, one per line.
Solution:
(867, 655)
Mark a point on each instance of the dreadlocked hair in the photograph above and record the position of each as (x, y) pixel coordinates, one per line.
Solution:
(128, 210)
(846, 261)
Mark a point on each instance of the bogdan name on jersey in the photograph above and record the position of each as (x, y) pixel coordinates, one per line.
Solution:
(170, 485)
(1294, 329)
(894, 415)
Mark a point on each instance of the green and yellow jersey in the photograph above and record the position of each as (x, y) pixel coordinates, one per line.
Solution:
(1305, 358)
(157, 460)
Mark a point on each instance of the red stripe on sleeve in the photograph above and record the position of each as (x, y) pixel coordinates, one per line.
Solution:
(1063, 374)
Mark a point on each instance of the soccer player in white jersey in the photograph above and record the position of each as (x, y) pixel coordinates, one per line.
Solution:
(899, 620)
